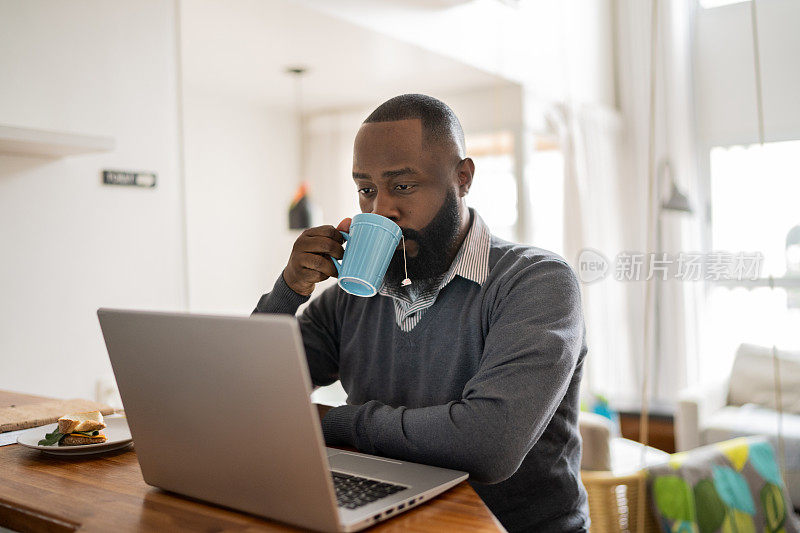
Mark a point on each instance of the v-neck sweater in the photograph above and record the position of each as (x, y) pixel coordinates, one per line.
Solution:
(487, 382)
(471, 262)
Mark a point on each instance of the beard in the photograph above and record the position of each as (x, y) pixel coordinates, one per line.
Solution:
(435, 242)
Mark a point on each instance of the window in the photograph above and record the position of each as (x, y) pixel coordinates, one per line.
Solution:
(546, 195)
(755, 194)
(494, 188)
(494, 192)
(710, 4)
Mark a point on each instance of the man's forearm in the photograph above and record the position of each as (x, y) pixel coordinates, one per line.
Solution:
(479, 437)
(316, 324)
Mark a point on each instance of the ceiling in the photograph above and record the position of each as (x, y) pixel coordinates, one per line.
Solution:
(559, 50)
(241, 48)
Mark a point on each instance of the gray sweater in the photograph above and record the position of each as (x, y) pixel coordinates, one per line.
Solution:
(487, 382)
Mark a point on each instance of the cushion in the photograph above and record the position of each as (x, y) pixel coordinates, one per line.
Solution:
(730, 422)
(731, 486)
(753, 379)
(596, 434)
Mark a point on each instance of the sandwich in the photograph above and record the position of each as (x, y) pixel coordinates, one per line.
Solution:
(76, 430)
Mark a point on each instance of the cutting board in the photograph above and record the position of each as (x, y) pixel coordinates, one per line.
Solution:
(29, 412)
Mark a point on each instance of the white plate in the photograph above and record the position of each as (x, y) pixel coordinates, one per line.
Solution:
(117, 432)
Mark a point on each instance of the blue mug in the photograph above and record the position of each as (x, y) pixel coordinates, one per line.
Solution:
(370, 246)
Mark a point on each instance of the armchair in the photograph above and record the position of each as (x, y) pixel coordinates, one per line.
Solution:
(744, 405)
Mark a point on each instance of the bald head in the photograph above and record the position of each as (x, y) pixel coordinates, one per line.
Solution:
(440, 126)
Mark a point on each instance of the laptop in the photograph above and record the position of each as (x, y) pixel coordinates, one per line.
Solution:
(219, 410)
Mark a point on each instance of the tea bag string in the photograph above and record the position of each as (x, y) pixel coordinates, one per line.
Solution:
(406, 281)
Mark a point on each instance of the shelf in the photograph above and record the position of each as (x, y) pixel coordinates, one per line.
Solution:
(43, 143)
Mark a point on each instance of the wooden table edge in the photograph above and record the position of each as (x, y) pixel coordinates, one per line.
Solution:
(24, 516)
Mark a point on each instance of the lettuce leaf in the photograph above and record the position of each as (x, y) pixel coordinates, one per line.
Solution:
(51, 439)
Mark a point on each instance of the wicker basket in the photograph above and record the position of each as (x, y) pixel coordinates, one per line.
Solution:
(614, 502)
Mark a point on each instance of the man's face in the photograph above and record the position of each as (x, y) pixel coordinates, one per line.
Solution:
(414, 185)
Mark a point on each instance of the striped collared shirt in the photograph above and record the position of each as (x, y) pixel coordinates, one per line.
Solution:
(471, 262)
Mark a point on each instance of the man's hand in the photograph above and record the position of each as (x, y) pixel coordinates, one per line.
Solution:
(310, 261)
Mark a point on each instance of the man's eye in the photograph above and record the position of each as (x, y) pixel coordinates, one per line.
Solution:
(403, 187)
(366, 190)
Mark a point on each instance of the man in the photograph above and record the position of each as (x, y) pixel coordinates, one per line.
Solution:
(474, 366)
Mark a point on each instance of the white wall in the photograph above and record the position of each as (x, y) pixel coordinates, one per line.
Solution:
(68, 244)
(725, 78)
(241, 173)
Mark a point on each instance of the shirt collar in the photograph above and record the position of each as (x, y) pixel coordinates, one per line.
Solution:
(471, 261)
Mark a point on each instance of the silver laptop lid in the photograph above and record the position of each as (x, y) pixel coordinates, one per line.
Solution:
(245, 399)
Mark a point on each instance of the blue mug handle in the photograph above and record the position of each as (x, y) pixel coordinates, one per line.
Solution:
(338, 264)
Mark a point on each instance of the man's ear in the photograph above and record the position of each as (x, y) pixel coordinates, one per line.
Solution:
(465, 171)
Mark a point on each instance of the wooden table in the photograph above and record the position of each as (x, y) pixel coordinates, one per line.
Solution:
(106, 492)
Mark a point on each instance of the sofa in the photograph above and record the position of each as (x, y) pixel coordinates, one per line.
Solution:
(744, 404)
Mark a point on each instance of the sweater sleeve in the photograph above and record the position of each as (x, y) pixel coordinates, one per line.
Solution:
(533, 344)
(282, 299)
(319, 327)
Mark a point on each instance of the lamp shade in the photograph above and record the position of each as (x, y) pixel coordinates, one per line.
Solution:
(677, 201)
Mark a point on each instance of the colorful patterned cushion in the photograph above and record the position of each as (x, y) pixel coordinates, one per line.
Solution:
(733, 486)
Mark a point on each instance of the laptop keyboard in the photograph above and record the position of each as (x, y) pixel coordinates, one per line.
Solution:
(353, 491)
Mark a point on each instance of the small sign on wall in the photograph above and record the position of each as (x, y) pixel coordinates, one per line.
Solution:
(134, 179)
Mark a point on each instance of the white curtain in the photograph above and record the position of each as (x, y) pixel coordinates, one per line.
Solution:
(594, 198)
(607, 207)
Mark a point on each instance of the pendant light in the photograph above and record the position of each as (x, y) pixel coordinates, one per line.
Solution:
(300, 210)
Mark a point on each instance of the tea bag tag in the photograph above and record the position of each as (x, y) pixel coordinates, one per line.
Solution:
(406, 282)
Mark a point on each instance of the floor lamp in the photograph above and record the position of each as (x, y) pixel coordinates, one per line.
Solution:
(677, 203)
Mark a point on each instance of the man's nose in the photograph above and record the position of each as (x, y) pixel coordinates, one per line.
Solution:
(385, 206)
